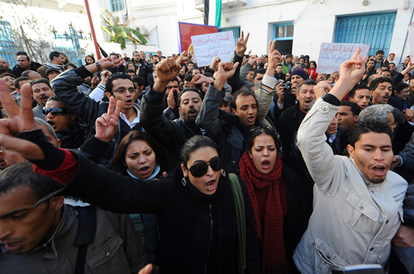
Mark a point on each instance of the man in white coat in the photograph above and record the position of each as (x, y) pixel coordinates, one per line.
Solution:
(357, 206)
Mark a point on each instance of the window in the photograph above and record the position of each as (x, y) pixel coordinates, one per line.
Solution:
(374, 29)
(283, 33)
(7, 43)
(117, 5)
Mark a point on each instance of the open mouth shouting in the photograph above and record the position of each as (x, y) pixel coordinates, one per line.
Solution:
(51, 123)
(144, 170)
(251, 119)
(266, 164)
(129, 102)
(211, 185)
(192, 112)
(385, 98)
(380, 170)
(44, 98)
(13, 246)
(307, 102)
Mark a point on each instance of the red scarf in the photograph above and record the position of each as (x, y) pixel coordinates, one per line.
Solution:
(274, 253)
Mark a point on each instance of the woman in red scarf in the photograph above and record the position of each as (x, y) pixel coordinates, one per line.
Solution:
(312, 70)
(276, 196)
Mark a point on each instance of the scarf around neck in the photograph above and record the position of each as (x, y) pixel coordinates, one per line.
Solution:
(274, 253)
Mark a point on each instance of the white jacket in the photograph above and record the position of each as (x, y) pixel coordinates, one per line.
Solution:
(353, 220)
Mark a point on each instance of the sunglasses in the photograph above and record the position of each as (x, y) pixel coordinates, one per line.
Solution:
(57, 111)
(200, 169)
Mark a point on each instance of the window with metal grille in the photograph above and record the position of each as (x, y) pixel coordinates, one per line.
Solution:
(373, 29)
(7, 43)
(117, 5)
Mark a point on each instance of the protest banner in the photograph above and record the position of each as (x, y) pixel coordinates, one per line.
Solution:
(208, 46)
(411, 40)
(332, 55)
(186, 30)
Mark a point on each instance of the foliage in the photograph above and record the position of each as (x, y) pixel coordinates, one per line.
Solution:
(121, 33)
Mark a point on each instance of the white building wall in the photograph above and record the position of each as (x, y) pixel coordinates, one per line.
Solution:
(317, 23)
(314, 21)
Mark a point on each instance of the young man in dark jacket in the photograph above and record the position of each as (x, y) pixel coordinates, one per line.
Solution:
(120, 86)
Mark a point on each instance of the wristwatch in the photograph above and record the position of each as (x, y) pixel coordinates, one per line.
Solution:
(98, 66)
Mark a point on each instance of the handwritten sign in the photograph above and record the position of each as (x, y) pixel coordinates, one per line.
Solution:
(208, 46)
(411, 38)
(332, 55)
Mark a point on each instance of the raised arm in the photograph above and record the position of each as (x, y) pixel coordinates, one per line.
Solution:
(323, 166)
(264, 95)
(65, 87)
(152, 106)
(244, 70)
(241, 45)
(209, 112)
(83, 179)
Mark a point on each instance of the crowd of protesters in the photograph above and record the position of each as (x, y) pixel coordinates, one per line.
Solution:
(258, 165)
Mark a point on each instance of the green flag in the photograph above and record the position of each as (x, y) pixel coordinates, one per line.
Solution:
(218, 13)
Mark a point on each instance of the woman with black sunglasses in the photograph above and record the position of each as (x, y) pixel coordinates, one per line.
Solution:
(195, 206)
(276, 196)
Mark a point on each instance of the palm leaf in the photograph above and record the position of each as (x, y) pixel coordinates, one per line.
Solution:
(106, 19)
(105, 29)
(123, 43)
(139, 36)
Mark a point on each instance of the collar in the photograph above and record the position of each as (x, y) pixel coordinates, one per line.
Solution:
(134, 122)
(65, 224)
(153, 175)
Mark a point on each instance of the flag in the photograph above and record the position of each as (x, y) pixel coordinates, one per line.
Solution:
(218, 13)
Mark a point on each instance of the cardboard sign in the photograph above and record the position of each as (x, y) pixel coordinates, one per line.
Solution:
(332, 55)
(411, 42)
(208, 46)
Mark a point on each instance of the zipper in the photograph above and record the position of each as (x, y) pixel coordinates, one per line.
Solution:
(211, 236)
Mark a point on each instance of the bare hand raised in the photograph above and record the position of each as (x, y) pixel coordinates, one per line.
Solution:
(184, 56)
(225, 71)
(167, 70)
(20, 119)
(274, 58)
(322, 88)
(215, 63)
(241, 44)
(351, 72)
(200, 78)
(107, 124)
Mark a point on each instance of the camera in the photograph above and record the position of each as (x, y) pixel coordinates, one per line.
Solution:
(286, 86)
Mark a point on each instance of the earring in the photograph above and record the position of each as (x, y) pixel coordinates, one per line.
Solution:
(223, 173)
(184, 181)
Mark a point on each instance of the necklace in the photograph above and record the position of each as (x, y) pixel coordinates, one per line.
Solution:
(133, 112)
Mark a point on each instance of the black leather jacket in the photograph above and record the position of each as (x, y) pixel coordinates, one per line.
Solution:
(87, 109)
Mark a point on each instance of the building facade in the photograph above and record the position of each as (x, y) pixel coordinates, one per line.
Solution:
(299, 26)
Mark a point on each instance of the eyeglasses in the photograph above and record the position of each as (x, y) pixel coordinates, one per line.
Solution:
(123, 90)
(57, 111)
(200, 169)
